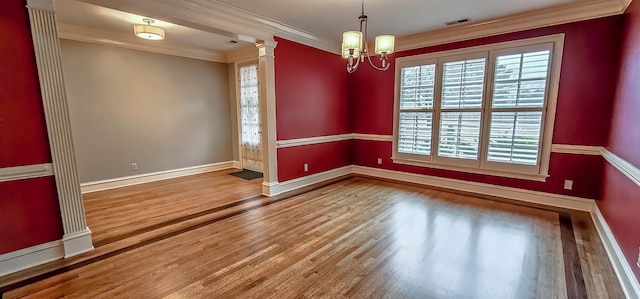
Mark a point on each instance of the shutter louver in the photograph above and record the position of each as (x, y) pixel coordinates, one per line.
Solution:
(459, 135)
(417, 88)
(414, 133)
(521, 80)
(462, 90)
(463, 83)
(515, 137)
(519, 93)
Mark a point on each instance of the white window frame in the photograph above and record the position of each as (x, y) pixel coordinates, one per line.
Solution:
(539, 172)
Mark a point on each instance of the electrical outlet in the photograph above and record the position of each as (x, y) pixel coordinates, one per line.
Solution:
(306, 167)
(568, 184)
(134, 166)
(379, 160)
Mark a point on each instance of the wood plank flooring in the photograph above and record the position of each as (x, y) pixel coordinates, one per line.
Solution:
(113, 214)
(357, 238)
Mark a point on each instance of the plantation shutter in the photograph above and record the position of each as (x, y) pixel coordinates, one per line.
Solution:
(461, 108)
(517, 107)
(415, 125)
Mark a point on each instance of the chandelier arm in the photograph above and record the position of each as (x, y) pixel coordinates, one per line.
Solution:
(386, 67)
(366, 44)
(353, 68)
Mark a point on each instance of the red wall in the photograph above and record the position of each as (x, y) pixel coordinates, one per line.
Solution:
(29, 212)
(321, 157)
(24, 134)
(311, 101)
(587, 84)
(620, 197)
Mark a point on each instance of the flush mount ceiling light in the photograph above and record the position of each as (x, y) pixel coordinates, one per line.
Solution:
(148, 31)
(355, 47)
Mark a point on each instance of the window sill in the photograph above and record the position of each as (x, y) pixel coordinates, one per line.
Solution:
(514, 175)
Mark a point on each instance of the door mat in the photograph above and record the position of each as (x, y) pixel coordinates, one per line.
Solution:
(247, 174)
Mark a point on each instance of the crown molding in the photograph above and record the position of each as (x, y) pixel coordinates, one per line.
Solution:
(243, 54)
(518, 22)
(104, 37)
(625, 4)
(220, 18)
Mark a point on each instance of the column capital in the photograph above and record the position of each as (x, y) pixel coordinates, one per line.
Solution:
(41, 5)
(266, 47)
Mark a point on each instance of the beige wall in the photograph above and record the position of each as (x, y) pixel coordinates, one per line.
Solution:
(162, 112)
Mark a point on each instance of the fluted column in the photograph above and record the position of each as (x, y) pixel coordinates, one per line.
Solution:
(267, 90)
(77, 236)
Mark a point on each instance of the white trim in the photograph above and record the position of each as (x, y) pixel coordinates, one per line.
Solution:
(221, 18)
(46, 45)
(242, 55)
(628, 169)
(225, 18)
(46, 5)
(267, 97)
(18, 260)
(25, 172)
(294, 184)
(537, 197)
(623, 271)
(538, 172)
(372, 137)
(484, 171)
(576, 149)
(77, 243)
(237, 164)
(129, 41)
(312, 140)
(561, 14)
(153, 176)
(625, 5)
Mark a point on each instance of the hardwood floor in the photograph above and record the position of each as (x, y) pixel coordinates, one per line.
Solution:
(117, 213)
(357, 238)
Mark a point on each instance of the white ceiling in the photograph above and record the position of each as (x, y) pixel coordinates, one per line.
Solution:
(101, 18)
(330, 18)
(326, 18)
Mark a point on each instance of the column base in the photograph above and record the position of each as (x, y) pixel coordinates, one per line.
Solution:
(269, 188)
(77, 243)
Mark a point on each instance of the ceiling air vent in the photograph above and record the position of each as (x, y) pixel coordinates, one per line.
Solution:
(457, 22)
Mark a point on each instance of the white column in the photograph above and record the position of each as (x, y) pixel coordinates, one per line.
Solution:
(267, 89)
(77, 236)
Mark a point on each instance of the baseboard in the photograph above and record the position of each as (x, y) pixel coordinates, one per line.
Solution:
(237, 165)
(282, 187)
(154, 176)
(30, 257)
(536, 197)
(627, 279)
(77, 243)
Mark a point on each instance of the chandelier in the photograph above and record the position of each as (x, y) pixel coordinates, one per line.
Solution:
(356, 49)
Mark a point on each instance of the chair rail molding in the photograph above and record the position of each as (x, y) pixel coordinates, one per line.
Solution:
(8, 174)
(77, 236)
(626, 168)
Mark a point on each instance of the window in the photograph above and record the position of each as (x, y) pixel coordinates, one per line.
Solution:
(487, 109)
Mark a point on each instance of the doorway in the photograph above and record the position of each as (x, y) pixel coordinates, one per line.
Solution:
(250, 126)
